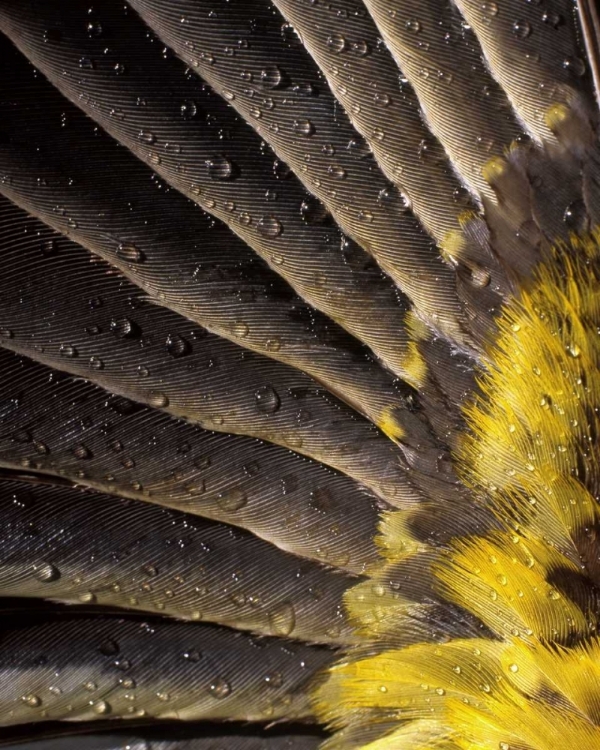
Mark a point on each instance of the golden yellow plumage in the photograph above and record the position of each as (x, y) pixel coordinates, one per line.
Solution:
(528, 575)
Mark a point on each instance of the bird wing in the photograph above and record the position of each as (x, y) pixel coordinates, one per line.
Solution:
(299, 374)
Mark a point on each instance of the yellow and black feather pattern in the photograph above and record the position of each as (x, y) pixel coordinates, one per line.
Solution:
(299, 374)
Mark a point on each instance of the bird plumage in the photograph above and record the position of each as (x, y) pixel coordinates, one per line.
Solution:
(298, 374)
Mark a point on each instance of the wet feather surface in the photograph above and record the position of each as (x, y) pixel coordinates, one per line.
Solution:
(298, 374)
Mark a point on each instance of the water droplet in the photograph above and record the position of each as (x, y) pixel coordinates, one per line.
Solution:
(163, 696)
(282, 619)
(46, 572)
(267, 400)
(480, 277)
(522, 29)
(109, 647)
(274, 679)
(269, 226)
(90, 686)
(336, 43)
(304, 128)
(32, 700)
(82, 452)
(125, 328)
(220, 168)
(119, 69)
(337, 172)
(240, 329)
(365, 216)
(489, 9)
(576, 217)
(130, 253)
(96, 363)
(193, 655)
(68, 351)
(101, 707)
(146, 136)
(360, 48)
(273, 345)
(575, 66)
(188, 109)
(313, 212)
(513, 667)
(413, 25)
(41, 447)
(94, 29)
(271, 77)
(177, 346)
(232, 500)
(87, 597)
(382, 99)
(158, 399)
(220, 688)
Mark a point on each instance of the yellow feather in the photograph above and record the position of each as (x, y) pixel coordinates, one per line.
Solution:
(527, 575)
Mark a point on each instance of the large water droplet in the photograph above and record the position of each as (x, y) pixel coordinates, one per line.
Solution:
(271, 77)
(125, 328)
(46, 572)
(177, 346)
(267, 400)
(220, 168)
(269, 226)
(522, 29)
(158, 399)
(232, 500)
(336, 43)
(220, 688)
(304, 128)
(130, 253)
(282, 619)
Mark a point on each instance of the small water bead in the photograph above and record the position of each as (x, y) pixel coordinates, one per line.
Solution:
(82, 452)
(188, 109)
(146, 136)
(158, 399)
(360, 48)
(313, 212)
(413, 25)
(489, 9)
(522, 29)
(96, 363)
(101, 707)
(232, 500)
(513, 668)
(271, 77)
(337, 172)
(274, 679)
(282, 619)
(68, 351)
(193, 655)
(336, 43)
(130, 253)
(220, 168)
(177, 346)
(304, 128)
(267, 400)
(46, 572)
(32, 700)
(109, 647)
(220, 688)
(269, 226)
(94, 29)
(575, 66)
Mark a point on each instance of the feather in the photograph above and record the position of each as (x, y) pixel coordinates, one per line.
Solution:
(66, 427)
(222, 575)
(348, 264)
